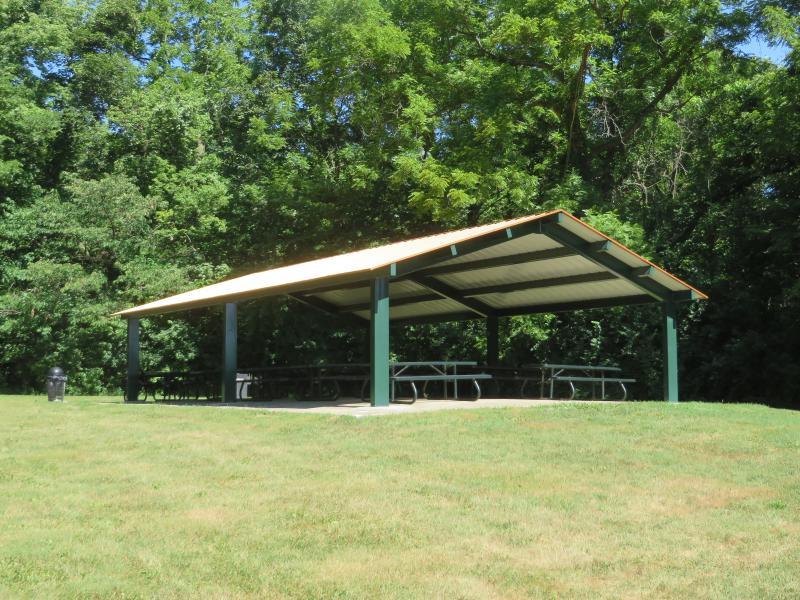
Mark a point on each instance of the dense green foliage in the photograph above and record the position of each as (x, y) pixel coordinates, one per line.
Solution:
(148, 146)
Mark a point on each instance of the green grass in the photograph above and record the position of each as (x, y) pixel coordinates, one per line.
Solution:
(99, 499)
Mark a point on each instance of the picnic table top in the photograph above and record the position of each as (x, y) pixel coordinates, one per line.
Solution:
(420, 363)
(404, 364)
(574, 367)
(438, 363)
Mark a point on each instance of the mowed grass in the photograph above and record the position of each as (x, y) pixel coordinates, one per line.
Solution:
(641, 500)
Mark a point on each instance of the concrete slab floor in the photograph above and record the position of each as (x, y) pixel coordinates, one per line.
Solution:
(353, 407)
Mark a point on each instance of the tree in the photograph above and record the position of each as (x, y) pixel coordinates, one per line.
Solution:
(148, 147)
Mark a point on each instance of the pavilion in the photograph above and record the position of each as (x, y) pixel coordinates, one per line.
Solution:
(549, 262)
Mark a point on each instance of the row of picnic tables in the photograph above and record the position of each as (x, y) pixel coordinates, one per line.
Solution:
(330, 381)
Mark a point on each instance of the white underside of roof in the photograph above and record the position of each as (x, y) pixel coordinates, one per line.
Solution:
(530, 272)
(527, 284)
(533, 271)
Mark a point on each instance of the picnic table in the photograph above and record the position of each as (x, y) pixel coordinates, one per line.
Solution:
(179, 385)
(436, 371)
(572, 374)
(325, 380)
(298, 381)
(547, 375)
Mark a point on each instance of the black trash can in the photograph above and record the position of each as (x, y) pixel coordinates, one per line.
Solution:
(56, 384)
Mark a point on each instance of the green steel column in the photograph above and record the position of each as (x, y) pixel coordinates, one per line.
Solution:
(492, 345)
(670, 355)
(229, 354)
(379, 342)
(132, 386)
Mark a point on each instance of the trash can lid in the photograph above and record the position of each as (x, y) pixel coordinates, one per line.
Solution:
(55, 372)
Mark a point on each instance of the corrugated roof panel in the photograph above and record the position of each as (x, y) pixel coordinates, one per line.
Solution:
(344, 296)
(630, 259)
(528, 243)
(667, 281)
(425, 309)
(581, 229)
(625, 254)
(545, 269)
(562, 294)
(585, 232)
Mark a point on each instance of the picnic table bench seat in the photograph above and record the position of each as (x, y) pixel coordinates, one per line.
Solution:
(413, 379)
(594, 374)
(573, 379)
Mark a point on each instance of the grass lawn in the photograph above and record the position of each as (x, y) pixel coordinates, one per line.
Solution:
(99, 499)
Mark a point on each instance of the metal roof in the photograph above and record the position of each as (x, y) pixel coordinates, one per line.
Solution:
(539, 263)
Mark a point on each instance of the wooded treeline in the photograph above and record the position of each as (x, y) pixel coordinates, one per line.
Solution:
(150, 146)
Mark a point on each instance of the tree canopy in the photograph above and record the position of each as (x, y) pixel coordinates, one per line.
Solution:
(151, 146)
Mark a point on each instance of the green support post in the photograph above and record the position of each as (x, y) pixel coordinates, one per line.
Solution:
(229, 354)
(492, 344)
(379, 342)
(670, 355)
(132, 386)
